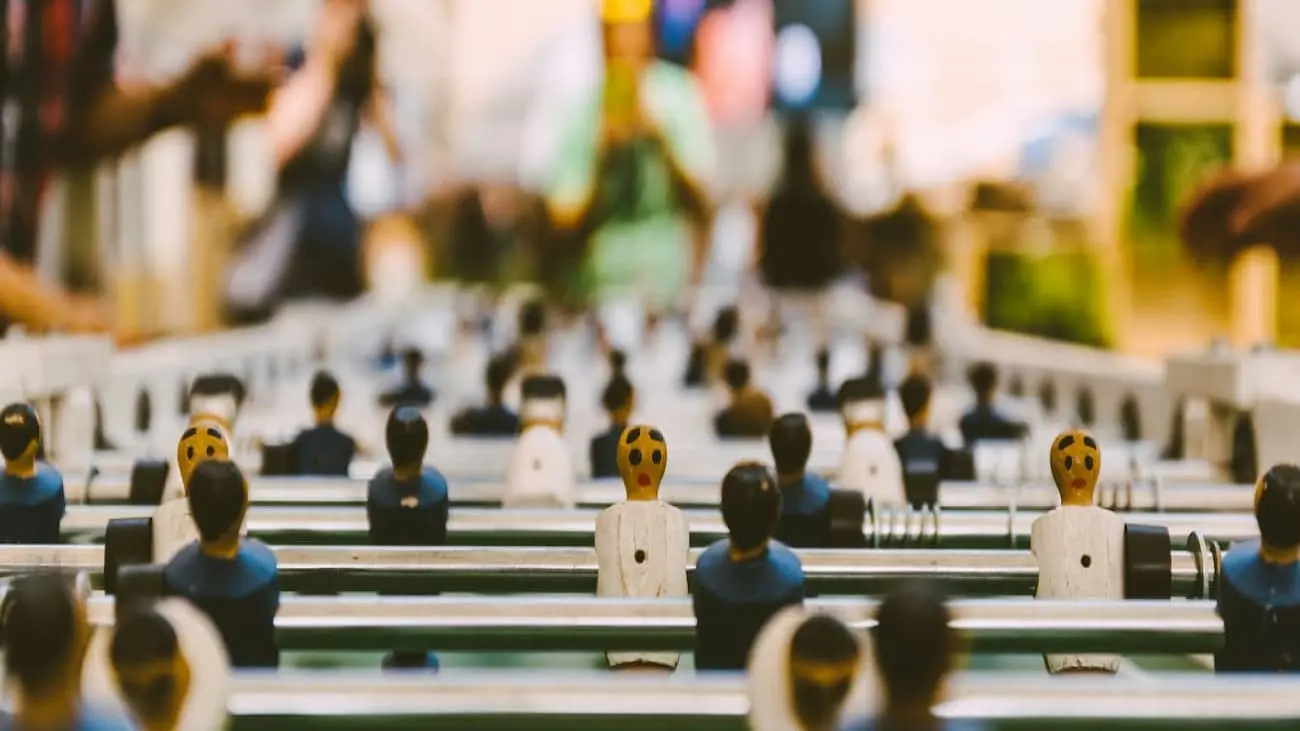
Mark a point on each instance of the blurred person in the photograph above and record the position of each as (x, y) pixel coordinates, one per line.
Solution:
(309, 243)
(800, 242)
(634, 165)
(64, 109)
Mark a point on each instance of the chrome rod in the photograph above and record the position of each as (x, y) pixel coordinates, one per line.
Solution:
(494, 527)
(577, 624)
(1140, 495)
(531, 700)
(414, 571)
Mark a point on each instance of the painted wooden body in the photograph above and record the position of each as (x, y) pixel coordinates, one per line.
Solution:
(871, 466)
(540, 472)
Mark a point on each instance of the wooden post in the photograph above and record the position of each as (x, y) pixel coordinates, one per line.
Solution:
(1116, 144)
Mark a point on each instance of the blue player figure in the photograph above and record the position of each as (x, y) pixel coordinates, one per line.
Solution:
(32, 502)
(407, 504)
(1259, 587)
(823, 398)
(412, 391)
(44, 635)
(618, 399)
(805, 522)
(749, 412)
(742, 581)
(915, 647)
(494, 419)
(984, 422)
(323, 450)
(233, 580)
(923, 455)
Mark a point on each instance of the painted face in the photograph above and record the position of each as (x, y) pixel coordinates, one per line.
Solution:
(642, 459)
(203, 439)
(1076, 462)
(155, 690)
(819, 688)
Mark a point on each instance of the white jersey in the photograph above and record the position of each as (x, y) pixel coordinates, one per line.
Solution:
(541, 471)
(1080, 552)
(872, 467)
(642, 548)
(173, 529)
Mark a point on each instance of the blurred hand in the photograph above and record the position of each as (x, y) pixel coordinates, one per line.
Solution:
(336, 30)
(1234, 211)
(213, 92)
(81, 314)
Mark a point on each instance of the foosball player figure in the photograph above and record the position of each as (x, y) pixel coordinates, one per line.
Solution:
(412, 391)
(870, 464)
(172, 527)
(1259, 584)
(984, 422)
(642, 543)
(168, 665)
(749, 413)
(709, 356)
(32, 502)
(822, 398)
(801, 672)
(618, 399)
(494, 419)
(915, 650)
(743, 581)
(923, 455)
(532, 337)
(324, 450)
(232, 579)
(805, 498)
(541, 470)
(216, 397)
(44, 634)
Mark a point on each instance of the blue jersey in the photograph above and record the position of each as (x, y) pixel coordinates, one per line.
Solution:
(494, 420)
(984, 423)
(804, 522)
(822, 400)
(1260, 606)
(923, 457)
(733, 600)
(31, 508)
(407, 512)
(89, 718)
(240, 595)
(604, 452)
(324, 451)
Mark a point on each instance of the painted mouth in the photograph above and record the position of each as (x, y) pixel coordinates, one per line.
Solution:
(643, 480)
(1078, 483)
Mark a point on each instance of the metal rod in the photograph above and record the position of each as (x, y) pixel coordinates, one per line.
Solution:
(416, 571)
(495, 527)
(511, 700)
(571, 624)
(1141, 495)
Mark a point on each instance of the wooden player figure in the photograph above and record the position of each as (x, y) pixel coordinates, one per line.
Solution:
(642, 544)
(805, 498)
(32, 502)
(217, 397)
(172, 526)
(924, 457)
(984, 422)
(619, 398)
(822, 398)
(870, 464)
(742, 581)
(802, 672)
(169, 666)
(412, 391)
(1259, 583)
(531, 345)
(541, 470)
(324, 450)
(1079, 546)
(232, 579)
(44, 632)
(749, 413)
(407, 504)
(494, 419)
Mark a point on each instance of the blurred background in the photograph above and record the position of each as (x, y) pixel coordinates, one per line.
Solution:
(1033, 156)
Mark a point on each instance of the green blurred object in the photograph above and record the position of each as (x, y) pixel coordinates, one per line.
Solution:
(1056, 295)
(1183, 39)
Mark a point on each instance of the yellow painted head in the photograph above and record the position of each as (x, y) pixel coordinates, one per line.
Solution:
(626, 11)
(1076, 464)
(642, 459)
(204, 439)
(150, 669)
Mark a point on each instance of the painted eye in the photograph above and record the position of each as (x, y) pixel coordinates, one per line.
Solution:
(1069, 461)
(656, 435)
(1087, 462)
(656, 456)
(634, 457)
(633, 435)
(211, 450)
(189, 452)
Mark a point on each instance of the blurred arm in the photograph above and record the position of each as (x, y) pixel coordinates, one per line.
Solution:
(380, 113)
(299, 106)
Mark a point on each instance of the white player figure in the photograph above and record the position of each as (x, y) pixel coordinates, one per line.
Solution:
(217, 397)
(805, 671)
(1079, 546)
(642, 544)
(871, 464)
(173, 528)
(541, 469)
(169, 640)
